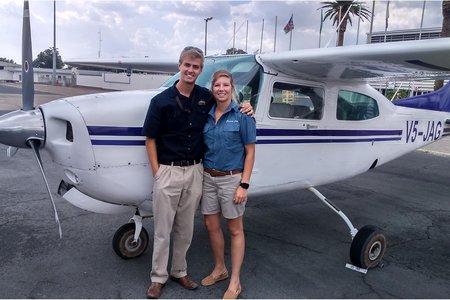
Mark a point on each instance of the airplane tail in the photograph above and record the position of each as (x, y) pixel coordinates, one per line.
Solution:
(438, 100)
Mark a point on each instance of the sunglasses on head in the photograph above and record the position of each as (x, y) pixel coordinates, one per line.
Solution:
(198, 50)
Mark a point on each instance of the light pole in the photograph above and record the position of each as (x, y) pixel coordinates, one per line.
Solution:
(206, 31)
(54, 44)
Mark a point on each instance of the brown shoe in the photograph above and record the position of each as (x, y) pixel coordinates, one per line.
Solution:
(185, 282)
(229, 294)
(210, 280)
(154, 291)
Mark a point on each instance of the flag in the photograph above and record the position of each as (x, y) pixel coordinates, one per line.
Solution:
(290, 25)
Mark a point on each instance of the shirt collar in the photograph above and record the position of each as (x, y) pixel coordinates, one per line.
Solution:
(177, 92)
(233, 106)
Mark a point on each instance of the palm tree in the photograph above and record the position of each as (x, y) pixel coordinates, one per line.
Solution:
(446, 18)
(337, 12)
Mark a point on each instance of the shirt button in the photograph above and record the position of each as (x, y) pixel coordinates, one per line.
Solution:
(190, 124)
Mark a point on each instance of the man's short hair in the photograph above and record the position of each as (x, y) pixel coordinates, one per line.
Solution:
(192, 52)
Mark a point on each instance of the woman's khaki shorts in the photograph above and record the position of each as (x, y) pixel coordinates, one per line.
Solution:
(218, 194)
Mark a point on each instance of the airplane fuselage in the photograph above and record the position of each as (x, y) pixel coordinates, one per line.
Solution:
(97, 143)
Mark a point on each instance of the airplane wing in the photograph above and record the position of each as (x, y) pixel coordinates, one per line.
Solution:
(424, 59)
(153, 66)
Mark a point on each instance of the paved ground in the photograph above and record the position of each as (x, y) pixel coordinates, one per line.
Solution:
(296, 247)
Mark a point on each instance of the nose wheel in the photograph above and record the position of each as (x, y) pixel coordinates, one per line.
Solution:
(124, 243)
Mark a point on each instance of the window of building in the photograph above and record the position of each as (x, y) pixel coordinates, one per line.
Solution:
(352, 106)
(293, 101)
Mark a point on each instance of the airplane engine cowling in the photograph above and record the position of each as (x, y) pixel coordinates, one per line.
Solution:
(97, 142)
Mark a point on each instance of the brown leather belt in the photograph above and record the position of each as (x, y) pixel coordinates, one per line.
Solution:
(216, 173)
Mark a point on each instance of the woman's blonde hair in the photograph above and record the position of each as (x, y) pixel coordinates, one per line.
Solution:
(227, 74)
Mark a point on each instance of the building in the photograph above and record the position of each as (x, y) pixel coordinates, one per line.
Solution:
(73, 77)
(404, 35)
(414, 87)
(6, 71)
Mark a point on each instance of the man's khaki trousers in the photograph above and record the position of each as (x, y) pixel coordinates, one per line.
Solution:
(176, 195)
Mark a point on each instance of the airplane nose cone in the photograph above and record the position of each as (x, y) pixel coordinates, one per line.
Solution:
(19, 126)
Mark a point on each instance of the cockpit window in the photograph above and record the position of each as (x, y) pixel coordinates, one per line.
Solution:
(247, 75)
(293, 101)
(352, 106)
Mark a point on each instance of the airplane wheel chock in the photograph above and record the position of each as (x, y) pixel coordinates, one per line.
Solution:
(124, 244)
(368, 247)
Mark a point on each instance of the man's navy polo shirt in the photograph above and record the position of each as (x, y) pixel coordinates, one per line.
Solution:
(178, 133)
(225, 141)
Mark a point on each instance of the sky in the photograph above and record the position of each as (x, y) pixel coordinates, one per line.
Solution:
(88, 29)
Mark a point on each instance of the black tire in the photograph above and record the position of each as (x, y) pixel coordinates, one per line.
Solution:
(368, 247)
(123, 241)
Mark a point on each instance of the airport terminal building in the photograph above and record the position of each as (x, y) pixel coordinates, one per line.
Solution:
(415, 87)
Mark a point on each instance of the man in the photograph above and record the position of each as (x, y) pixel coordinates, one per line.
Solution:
(174, 131)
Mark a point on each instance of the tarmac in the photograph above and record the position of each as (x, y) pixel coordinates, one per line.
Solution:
(295, 246)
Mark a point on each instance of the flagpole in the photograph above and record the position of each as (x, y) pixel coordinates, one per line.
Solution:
(262, 34)
(275, 38)
(234, 38)
(54, 44)
(290, 40)
(421, 21)
(246, 39)
(387, 18)
(371, 23)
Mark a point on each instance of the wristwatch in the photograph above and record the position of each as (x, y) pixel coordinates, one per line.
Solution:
(244, 185)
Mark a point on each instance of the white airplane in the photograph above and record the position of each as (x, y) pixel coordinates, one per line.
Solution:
(318, 122)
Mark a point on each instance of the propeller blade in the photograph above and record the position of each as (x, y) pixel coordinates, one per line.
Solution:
(27, 61)
(34, 144)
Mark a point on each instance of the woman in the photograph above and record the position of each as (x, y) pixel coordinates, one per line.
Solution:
(230, 138)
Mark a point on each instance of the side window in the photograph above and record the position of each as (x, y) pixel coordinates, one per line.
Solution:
(296, 101)
(353, 106)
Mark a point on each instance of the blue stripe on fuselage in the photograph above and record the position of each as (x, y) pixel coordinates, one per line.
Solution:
(115, 131)
(329, 135)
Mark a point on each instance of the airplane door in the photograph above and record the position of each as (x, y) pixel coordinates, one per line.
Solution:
(293, 112)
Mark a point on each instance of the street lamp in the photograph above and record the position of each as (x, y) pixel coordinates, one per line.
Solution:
(206, 30)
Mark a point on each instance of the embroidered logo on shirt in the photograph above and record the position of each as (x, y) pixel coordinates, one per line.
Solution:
(202, 102)
(232, 121)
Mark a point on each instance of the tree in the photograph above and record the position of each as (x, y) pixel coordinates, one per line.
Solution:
(45, 60)
(400, 94)
(446, 18)
(337, 12)
(235, 51)
(444, 33)
(4, 59)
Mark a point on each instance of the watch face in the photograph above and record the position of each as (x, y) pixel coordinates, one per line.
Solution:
(244, 185)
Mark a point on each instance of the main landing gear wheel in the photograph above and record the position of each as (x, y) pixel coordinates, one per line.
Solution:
(368, 247)
(123, 242)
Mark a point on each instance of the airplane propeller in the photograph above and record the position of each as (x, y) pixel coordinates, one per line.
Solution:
(25, 128)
